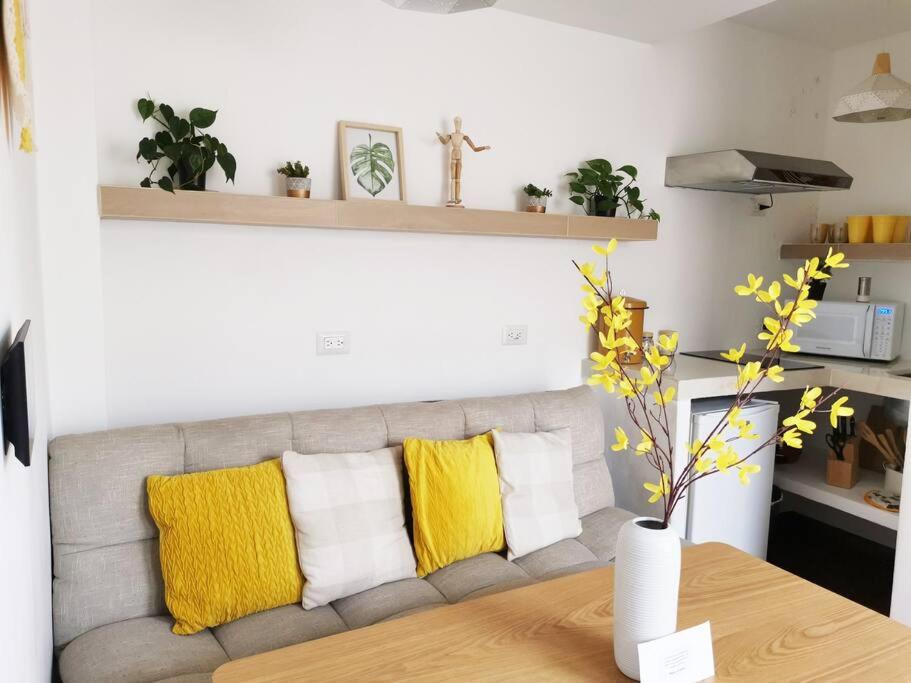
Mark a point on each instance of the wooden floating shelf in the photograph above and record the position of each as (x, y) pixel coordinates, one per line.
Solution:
(136, 203)
(867, 251)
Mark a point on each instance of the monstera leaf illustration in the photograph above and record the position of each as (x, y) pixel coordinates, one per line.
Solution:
(373, 165)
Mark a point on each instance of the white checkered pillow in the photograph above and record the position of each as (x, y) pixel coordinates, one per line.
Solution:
(349, 521)
(536, 486)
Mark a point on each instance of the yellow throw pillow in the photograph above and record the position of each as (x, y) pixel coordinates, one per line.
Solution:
(455, 500)
(227, 544)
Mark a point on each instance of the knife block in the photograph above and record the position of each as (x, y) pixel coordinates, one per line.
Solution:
(843, 473)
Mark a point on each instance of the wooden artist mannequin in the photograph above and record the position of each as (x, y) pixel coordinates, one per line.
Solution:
(454, 140)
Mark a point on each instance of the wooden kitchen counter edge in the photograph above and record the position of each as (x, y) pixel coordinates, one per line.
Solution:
(767, 624)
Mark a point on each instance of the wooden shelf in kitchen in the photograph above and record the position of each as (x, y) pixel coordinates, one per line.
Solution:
(807, 479)
(868, 251)
(134, 203)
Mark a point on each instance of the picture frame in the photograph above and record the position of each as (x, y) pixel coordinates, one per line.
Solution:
(371, 161)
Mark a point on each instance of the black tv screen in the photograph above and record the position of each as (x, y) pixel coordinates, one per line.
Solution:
(14, 398)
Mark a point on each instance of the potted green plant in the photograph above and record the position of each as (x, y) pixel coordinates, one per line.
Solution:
(537, 198)
(297, 179)
(190, 153)
(600, 190)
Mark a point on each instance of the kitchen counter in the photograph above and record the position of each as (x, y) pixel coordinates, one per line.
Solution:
(700, 378)
(704, 378)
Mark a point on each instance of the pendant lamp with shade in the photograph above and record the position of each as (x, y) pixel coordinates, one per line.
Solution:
(881, 97)
(441, 6)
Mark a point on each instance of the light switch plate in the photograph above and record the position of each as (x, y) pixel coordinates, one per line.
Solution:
(333, 343)
(515, 335)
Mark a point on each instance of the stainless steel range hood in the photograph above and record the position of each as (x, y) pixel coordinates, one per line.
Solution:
(737, 170)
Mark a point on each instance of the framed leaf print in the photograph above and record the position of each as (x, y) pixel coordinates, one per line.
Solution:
(372, 161)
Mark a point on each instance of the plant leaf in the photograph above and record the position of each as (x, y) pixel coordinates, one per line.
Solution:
(165, 184)
(373, 164)
(145, 182)
(202, 118)
(146, 108)
(167, 113)
(228, 164)
(180, 127)
(576, 199)
(173, 152)
(602, 166)
(193, 157)
(163, 139)
(148, 148)
(576, 186)
(628, 170)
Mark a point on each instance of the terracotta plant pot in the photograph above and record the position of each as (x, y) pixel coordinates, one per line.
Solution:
(537, 204)
(298, 187)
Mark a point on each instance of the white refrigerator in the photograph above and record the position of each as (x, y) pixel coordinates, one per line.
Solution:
(719, 507)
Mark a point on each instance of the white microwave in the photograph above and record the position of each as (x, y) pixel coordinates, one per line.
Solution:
(852, 329)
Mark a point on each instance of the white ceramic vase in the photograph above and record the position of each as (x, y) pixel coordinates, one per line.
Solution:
(646, 585)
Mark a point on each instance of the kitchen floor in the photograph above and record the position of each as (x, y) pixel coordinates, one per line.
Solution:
(852, 566)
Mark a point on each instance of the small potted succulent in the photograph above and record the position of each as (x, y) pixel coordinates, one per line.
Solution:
(537, 198)
(297, 178)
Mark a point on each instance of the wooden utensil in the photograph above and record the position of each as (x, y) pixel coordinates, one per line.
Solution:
(891, 455)
(869, 436)
(900, 452)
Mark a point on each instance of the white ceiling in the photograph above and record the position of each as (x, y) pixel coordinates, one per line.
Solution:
(831, 24)
(648, 21)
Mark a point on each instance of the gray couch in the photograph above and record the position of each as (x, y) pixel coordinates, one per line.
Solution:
(110, 619)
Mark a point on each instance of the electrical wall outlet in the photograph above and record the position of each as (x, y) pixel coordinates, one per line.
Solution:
(332, 343)
(515, 335)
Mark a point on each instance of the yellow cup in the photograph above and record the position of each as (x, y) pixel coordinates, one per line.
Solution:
(900, 233)
(858, 229)
(883, 227)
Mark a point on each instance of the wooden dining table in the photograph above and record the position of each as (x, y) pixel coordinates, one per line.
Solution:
(767, 625)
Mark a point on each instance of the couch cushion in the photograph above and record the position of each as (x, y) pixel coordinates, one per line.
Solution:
(556, 556)
(455, 500)
(413, 610)
(235, 442)
(574, 569)
(509, 413)
(227, 544)
(104, 538)
(139, 651)
(592, 486)
(499, 588)
(385, 601)
(577, 409)
(348, 511)
(467, 576)
(340, 430)
(536, 485)
(104, 586)
(443, 420)
(600, 529)
(277, 628)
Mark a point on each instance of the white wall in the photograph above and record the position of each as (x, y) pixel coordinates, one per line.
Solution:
(25, 567)
(204, 321)
(68, 226)
(878, 156)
